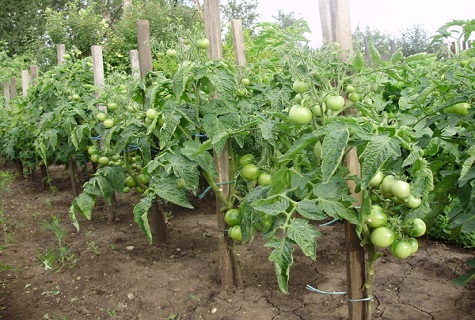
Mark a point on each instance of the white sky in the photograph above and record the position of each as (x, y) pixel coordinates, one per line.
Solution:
(389, 16)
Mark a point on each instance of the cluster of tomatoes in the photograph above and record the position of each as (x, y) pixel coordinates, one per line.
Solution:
(396, 232)
(251, 172)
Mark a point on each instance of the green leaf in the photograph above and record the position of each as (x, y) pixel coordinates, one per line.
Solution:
(304, 234)
(283, 259)
(272, 206)
(333, 149)
(377, 151)
(193, 150)
(171, 120)
(467, 164)
(298, 146)
(166, 188)
(310, 210)
(84, 203)
(141, 216)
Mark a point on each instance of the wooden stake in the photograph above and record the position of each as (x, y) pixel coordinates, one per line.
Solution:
(227, 258)
(238, 42)
(13, 93)
(60, 50)
(34, 74)
(25, 82)
(134, 63)
(144, 50)
(6, 92)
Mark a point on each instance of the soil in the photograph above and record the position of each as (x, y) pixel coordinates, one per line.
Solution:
(112, 272)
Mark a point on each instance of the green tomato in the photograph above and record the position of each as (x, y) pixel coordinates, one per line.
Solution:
(350, 88)
(112, 106)
(109, 123)
(335, 103)
(245, 81)
(413, 202)
(126, 189)
(298, 98)
(151, 114)
(414, 227)
(317, 109)
(246, 159)
(232, 217)
(300, 115)
(250, 172)
(382, 237)
(401, 189)
(300, 86)
(367, 101)
(130, 182)
(143, 178)
(101, 116)
(386, 185)
(171, 53)
(92, 150)
(95, 157)
(402, 249)
(459, 108)
(377, 218)
(235, 233)
(75, 97)
(202, 43)
(317, 150)
(376, 179)
(104, 161)
(354, 97)
(414, 243)
(264, 179)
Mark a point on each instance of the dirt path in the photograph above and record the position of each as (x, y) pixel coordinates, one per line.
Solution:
(113, 273)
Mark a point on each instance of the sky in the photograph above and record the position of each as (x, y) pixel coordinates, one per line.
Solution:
(388, 16)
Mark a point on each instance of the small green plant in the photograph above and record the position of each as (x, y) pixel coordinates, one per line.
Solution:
(5, 180)
(59, 255)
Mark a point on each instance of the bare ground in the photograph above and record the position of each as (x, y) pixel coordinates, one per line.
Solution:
(114, 273)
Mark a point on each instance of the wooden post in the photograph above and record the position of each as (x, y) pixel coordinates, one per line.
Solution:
(355, 253)
(325, 20)
(6, 92)
(126, 5)
(34, 74)
(144, 50)
(13, 92)
(60, 50)
(227, 258)
(25, 82)
(134, 63)
(238, 42)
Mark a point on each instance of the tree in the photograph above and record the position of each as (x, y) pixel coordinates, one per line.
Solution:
(384, 43)
(415, 39)
(285, 20)
(245, 10)
(23, 21)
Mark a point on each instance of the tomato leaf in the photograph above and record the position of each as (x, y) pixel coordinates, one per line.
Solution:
(310, 210)
(84, 203)
(283, 259)
(377, 151)
(166, 188)
(141, 216)
(333, 149)
(304, 234)
(272, 206)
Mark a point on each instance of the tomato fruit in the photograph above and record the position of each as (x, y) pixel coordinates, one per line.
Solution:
(298, 98)
(92, 150)
(180, 183)
(232, 217)
(104, 161)
(401, 189)
(75, 97)
(458, 108)
(300, 86)
(414, 243)
(101, 116)
(317, 109)
(264, 179)
(245, 81)
(335, 103)
(235, 233)
(376, 179)
(377, 218)
(354, 97)
(151, 114)
(350, 88)
(386, 186)
(126, 190)
(402, 249)
(250, 172)
(246, 159)
(317, 150)
(95, 157)
(112, 106)
(202, 43)
(109, 123)
(413, 202)
(300, 115)
(266, 222)
(171, 53)
(367, 101)
(143, 178)
(130, 182)
(382, 237)
(66, 56)
(414, 227)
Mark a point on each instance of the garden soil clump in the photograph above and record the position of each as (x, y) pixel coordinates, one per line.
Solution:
(111, 271)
